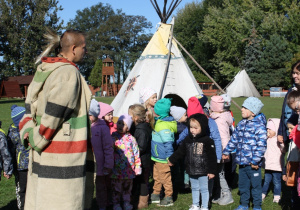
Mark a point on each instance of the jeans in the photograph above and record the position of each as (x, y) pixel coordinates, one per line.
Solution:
(199, 185)
(276, 176)
(248, 178)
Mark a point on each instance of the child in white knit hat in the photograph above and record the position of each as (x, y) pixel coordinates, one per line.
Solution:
(148, 98)
(127, 163)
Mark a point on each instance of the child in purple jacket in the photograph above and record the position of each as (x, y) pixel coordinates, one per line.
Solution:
(102, 144)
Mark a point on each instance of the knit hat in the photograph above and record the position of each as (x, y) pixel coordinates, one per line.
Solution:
(126, 119)
(94, 108)
(227, 101)
(104, 109)
(194, 107)
(202, 99)
(253, 104)
(217, 104)
(293, 119)
(273, 124)
(162, 107)
(17, 112)
(177, 112)
(145, 94)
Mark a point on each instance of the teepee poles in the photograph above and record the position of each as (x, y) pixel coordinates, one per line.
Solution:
(168, 63)
(203, 70)
(165, 14)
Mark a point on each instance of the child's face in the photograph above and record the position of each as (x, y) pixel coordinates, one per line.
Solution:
(295, 106)
(271, 133)
(122, 127)
(195, 127)
(290, 127)
(93, 118)
(109, 117)
(247, 114)
(153, 100)
(183, 118)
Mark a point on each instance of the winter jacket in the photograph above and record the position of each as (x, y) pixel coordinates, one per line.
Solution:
(143, 135)
(163, 139)
(61, 163)
(212, 132)
(102, 144)
(250, 141)
(199, 151)
(5, 156)
(273, 158)
(224, 122)
(22, 154)
(286, 113)
(127, 157)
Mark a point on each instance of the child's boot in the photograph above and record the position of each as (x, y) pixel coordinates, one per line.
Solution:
(263, 196)
(143, 202)
(226, 199)
(276, 199)
(167, 201)
(155, 198)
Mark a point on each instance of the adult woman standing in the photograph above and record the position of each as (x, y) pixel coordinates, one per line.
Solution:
(286, 111)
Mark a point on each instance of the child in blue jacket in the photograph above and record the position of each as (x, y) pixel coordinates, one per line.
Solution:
(161, 150)
(250, 141)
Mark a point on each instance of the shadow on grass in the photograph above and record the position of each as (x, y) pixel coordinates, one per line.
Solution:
(11, 101)
(12, 205)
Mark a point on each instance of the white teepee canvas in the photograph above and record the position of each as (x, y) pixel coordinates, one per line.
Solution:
(241, 85)
(149, 72)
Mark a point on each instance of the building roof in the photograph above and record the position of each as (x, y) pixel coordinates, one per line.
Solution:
(22, 80)
(10, 89)
(108, 60)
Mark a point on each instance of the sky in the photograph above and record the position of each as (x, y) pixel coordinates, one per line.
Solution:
(129, 7)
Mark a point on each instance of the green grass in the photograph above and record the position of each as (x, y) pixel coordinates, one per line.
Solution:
(272, 109)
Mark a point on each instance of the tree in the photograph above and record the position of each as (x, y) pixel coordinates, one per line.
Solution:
(96, 74)
(23, 24)
(112, 33)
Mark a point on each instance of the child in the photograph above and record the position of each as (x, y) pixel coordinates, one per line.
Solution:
(148, 98)
(21, 154)
(5, 156)
(106, 113)
(224, 121)
(250, 140)
(200, 158)
(143, 137)
(102, 144)
(273, 160)
(127, 163)
(161, 150)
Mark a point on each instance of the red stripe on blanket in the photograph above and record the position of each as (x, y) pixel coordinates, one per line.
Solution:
(46, 132)
(23, 122)
(67, 147)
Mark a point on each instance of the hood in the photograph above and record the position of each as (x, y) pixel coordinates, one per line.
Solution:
(273, 124)
(203, 121)
(260, 118)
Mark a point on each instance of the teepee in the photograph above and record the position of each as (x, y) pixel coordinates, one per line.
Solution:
(241, 85)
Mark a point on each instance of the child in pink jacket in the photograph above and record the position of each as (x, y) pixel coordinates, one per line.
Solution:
(273, 160)
(102, 144)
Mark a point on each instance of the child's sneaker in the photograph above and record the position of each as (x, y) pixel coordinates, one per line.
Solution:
(117, 207)
(155, 198)
(194, 207)
(166, 201)
(240, 207)
(127, 206)
(226, 199)
(276, 199)
(263, 196)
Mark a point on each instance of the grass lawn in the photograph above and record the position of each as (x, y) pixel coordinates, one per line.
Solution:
(272, 109)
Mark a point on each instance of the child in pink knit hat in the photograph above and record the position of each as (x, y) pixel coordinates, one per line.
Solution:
(106, 113)
(127, 163)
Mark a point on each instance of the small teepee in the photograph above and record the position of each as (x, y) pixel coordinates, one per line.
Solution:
(161, 67)
(241, 85)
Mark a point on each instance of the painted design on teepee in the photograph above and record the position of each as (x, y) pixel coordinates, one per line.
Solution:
(131, 84)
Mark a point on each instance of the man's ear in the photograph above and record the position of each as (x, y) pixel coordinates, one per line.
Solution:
(73, 49)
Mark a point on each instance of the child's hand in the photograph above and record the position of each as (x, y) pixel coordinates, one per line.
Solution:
(7, 176)
(280, 139)
(225, 157)
(210, 176)
(254, 166)
(169, 163)
(284, 178)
